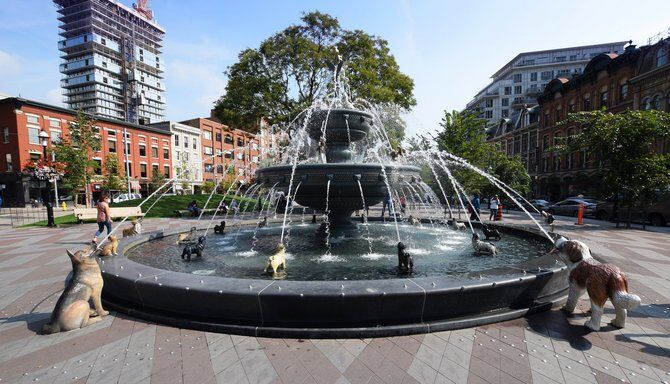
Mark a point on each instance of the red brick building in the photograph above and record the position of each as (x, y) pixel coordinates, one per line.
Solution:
(239, 149)
(22, 120)
(639, 78)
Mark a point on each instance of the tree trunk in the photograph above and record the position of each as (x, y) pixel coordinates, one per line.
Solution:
(644, 219)
(616, 211)
(628, 218)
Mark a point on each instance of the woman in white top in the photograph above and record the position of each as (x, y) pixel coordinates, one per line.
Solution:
(494, 207)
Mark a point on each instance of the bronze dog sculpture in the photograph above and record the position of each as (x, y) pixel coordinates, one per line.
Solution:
(193, 249)
(219, 228)
(111, 247)
(405, 260)
(72, 310)
(134, 229)
(490, 232)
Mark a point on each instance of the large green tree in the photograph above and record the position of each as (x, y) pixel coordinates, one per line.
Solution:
(293, 67)
(114, 177)
(464, 134)
(623, 146)
(76, 150)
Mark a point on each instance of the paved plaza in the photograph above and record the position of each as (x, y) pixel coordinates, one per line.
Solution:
(544, 348)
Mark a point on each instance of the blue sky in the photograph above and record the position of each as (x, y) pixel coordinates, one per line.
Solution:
(449, 48)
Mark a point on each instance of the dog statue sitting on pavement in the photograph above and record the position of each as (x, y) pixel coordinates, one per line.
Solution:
(219, 228)
(111, 247)
(600, 281)
(134, 229)
(72, 310)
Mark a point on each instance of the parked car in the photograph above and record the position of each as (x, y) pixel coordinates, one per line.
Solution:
(570, 207)
(540, 205)
(125, 196)
(657, 214)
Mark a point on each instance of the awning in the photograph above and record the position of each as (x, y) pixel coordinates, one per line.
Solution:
(135, 185)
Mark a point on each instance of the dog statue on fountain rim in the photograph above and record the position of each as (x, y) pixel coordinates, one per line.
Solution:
(277, 260)
(72, 310)
(405, 260)
(600, 281)
(219, 228)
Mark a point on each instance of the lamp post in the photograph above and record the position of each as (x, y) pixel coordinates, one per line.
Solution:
(44, 140)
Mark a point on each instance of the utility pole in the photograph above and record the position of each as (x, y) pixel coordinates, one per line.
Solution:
(125, 158)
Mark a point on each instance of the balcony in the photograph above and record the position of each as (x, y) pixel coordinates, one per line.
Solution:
(533, 91)
(519, 102)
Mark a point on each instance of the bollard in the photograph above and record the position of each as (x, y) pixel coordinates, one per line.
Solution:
(580, 214)
(499, 213)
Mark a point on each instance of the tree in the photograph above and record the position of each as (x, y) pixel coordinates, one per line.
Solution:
(157, 180)
(76, 150)
(113, 174)
(464, 134)
(183, 174)
(623, 147)
(293, 67)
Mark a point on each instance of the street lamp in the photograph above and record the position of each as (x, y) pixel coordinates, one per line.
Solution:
(44, 140)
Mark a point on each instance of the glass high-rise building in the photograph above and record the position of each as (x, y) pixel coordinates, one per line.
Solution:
(111, 59)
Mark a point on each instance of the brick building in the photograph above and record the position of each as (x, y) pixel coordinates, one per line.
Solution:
(22, 120)
(239, 149)
(639, 78)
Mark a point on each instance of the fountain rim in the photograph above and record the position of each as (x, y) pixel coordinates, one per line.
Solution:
(320, 166)
(138, 282)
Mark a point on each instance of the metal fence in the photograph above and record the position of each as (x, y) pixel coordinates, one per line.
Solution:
(28, 215)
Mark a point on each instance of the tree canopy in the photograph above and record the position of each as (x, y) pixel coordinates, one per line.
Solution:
(292, 68)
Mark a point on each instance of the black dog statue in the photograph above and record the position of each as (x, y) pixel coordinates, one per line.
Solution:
(405, 260)
(220, 228)
(263, 223)
(193, 248)
(313, 219)
(364, 218)
(490, 232)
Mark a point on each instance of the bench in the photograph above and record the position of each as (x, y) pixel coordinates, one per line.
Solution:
(116, 212)
(186, 212)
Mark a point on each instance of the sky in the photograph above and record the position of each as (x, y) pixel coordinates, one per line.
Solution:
(449, 48)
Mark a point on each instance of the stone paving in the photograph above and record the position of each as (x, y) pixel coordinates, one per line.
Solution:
(544, 348)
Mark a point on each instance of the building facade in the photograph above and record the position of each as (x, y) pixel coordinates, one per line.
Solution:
(226, 151)
(186, 156)
(517, 84)
(21, 121)
(638, 78)
(111, 61)
(517, 136)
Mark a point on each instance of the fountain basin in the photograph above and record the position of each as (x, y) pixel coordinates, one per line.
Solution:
(345, 195)
(344, 127)
(359, 308)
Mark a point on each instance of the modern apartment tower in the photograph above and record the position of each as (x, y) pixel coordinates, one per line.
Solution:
(522, 79)
(111, 61)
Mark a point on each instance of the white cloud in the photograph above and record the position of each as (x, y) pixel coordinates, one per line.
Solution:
(53, 97)
(10, 65)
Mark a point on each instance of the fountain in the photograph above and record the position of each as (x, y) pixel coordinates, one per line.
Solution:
(341, 277)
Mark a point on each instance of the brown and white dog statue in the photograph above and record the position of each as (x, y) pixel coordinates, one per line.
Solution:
(134, 229)
(72, 310)
(600, 281)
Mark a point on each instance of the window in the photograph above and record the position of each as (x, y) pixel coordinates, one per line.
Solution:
(185, 141)
(219, 168)
(185, 156)
(546, 119)
(104, 80)
(143, 171)
(547, 75)
(517, 77)
(533, 76)
(154, 169)
(228, 139)
(195, 143)
(505, 113)
(128, 149)
(207, 135)
(33, 119)
(130, 169)
(54, 123)
(661, 57)
(489, 114)
(8, 161)
(112, 146)
(166, 171)
(166, 154)
(33, 135)
(5, 135)
(573, 57)
(489, 104)
(545, 142)
(97, 167)
(571, 107)
(209, 168)
(35, 156)
(240, 141)
(560, 59)
(229, 154)
(656, 102)
(154, 152)
(587, 105)
(517, 89)
(104, 64)
(55, 136)
(623, 92)
(508, 90)
(218, 136)
(176, 155)
(505, 102)
(143, 150)
(103, 41)
(603, 99)
(558, 115)
(176, 140)
(208, 150)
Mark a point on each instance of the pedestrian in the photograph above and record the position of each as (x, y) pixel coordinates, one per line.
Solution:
(104, 217)
(476, 205)
(386, 204)
(494, 207)
(403, 204)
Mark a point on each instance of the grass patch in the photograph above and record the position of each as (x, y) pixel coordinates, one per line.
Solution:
(59, 220)
(168, 204)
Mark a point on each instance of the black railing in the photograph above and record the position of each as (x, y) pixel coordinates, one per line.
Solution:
(28, 215)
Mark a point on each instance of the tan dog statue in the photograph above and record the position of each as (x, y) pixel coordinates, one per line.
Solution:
(73, 310)
(111, 247)
(277, 260)
(133, 230)
(600, 281)
(186, 237)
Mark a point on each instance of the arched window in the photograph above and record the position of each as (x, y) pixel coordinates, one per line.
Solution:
(667, 102)
(545, 142)
(657, 103)
(646, 103)
(661, 57)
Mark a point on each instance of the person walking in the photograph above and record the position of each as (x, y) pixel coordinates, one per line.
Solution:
(403, 204)
(104, 217)
(386, 204)
(495, 201)
(476, 205)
